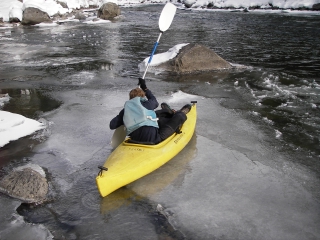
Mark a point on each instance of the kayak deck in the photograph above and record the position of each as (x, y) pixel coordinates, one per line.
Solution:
(131, 161)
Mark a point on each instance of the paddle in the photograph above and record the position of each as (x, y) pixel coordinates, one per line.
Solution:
(165, 21)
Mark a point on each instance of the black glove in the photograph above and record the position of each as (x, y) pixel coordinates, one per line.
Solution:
(142, 84)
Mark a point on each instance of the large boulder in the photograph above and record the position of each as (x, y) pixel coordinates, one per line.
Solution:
(26, 184)
(195, 58)
(316, 6)
(109, 11)
(32, 16)
(189, 3)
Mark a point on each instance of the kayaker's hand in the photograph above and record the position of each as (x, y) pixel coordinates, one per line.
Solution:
(142, 84)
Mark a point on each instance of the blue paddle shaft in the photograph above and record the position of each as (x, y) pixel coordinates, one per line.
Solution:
(153, 51)
(151, 56)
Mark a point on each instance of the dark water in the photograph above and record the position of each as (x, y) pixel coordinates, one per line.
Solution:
(278, 89)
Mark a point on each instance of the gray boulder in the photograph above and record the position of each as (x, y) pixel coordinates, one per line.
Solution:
(14, 20)
(32, 16)
(109, 11)
(63, 4)
(25, 184)
(189, 3)
(195, 58)
(80, 16)
(316, 6)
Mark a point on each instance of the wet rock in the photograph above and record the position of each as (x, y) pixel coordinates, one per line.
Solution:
(25, 184)
(194, 58)
(316, 6)
(189, 3)
(109, 11)
(32, 16)
(14, 20)
(80, 16)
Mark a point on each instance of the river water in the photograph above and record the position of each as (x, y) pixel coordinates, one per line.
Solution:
(251, 170)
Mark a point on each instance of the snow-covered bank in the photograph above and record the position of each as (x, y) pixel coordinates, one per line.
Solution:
(260, 4)
(14, 8)
(14, 126)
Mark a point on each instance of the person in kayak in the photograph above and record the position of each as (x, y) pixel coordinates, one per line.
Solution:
(144, 124)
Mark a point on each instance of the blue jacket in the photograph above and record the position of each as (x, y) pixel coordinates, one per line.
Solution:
(145, 133)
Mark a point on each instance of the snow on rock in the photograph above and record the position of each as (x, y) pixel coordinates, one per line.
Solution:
(16, 10)
(159, 58)
(49, 6)
(4, 98)
(14, 126)
(263, 4)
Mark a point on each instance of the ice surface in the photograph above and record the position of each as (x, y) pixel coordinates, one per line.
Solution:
(81, 126)
(227, 184)
(12, 226)
(225, 187)
(18, 229)
(100, 21)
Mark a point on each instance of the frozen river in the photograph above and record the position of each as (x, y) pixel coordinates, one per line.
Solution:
(252, 169)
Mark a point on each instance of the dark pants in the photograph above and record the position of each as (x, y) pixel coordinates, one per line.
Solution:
(169, 123)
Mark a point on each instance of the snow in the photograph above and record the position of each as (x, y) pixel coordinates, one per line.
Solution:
(254, 3)
(14, 8)
(50, 6)
(34, 167)
(161, 57)
(14, 126)
(4, 98)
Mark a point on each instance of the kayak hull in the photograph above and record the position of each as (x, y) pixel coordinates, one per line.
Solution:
(129, 161)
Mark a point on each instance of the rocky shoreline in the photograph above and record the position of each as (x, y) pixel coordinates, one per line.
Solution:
(111, 11)
(33, 16)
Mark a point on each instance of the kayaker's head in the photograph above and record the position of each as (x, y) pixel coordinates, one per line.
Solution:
(136, 92)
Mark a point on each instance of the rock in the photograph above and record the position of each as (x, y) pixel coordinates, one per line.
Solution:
(80, 16)
(25, 184)
(32, 16)
(189, 3)
(109, 11)
(63, 4)
(194, 58)
(14, 20)
(316, 6)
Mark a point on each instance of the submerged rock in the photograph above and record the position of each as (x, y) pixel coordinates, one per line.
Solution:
(80, 16)
(194, 58)
(25, 184)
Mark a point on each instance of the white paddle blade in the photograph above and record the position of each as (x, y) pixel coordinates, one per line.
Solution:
(167, 16)
(118, 137)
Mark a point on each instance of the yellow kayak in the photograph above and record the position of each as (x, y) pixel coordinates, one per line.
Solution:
(130, 161)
